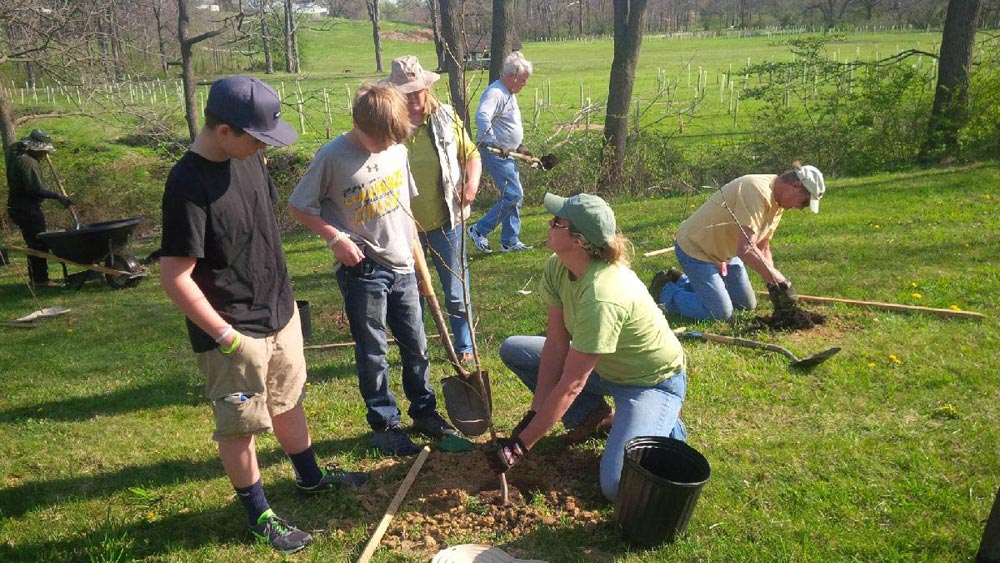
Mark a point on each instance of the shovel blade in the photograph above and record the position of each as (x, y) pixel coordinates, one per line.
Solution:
(465, 405)
(815, 359)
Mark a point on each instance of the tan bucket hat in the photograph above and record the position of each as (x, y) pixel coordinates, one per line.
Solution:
(408, 76)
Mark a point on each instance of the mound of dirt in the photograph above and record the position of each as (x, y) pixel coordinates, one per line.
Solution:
(796, 319)
(457, 496)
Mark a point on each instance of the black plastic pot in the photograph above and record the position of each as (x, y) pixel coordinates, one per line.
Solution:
(305, 318)
(661, 481)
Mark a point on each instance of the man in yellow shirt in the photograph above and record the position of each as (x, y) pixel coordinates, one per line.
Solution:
(732, 231)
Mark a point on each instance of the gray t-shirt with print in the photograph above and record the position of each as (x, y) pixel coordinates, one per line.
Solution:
(365, 195)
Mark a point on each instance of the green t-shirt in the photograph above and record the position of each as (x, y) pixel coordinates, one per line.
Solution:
(608, 311)
(429, 208)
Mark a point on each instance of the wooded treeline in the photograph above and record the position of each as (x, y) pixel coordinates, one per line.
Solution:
(561, 19)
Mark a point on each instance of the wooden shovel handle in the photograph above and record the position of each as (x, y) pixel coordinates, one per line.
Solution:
(427, 291)
(52, 167)
(891, 306)
(394, 506)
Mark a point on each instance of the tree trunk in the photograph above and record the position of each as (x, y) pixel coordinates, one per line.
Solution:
(7, 133)
(432, 7)
(503, 35)
(374, 16)
(296, 60)
(630, 18)
(265, 38)
(288, 36)
(116, 43)
(951, 98)
(160, 39)
(187, 44)
(454, 47)
(187, 69)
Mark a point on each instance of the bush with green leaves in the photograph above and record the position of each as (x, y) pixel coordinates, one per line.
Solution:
(849, 118)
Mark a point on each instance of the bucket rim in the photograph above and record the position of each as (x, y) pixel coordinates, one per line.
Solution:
(676, 444)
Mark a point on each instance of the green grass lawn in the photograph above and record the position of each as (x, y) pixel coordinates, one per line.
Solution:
(886, 452)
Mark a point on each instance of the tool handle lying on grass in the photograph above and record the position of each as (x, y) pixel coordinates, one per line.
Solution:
(52, 167)
(404, 488)
(658, 252)
(890, 306)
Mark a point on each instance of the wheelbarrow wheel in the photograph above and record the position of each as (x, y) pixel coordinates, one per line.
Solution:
(126, 264)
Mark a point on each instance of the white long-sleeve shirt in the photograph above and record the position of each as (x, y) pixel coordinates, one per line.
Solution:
(498, 118)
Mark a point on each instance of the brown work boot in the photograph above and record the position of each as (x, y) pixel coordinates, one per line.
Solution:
(662, 278)
(597, 422)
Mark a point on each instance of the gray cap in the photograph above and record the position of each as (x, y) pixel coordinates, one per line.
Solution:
(591, 216)
(249, 104)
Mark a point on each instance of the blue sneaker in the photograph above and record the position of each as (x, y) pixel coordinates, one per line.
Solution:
(281, 535)
(394, 442)
(480, 242)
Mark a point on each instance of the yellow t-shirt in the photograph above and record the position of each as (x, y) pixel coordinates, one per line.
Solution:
(711, 233)
(429, 208)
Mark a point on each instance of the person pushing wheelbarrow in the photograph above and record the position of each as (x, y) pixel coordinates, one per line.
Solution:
(26, 191)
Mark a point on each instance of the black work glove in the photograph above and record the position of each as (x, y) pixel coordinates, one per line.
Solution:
(523, 150)
(65, 201)
(508, 452)
(782, 296)
(525, 421)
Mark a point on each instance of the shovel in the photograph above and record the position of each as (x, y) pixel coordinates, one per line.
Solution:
(547, 162)
(72, 209)
(808, 362)
(464, 392)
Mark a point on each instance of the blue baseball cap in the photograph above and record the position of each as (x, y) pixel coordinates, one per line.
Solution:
(249, 104)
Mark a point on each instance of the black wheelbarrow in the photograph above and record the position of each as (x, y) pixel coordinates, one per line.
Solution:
(93, 244)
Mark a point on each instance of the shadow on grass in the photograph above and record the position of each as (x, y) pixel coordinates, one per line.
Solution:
(583, 542)
(179, 532)
(170, 391)
(19, 500)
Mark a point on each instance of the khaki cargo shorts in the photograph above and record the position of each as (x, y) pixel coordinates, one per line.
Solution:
(261, 378)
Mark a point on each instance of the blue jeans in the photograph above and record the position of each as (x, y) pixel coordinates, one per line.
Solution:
(373, 301)
(507, 210)
(639, 410)
(703, 293)
(449, 260)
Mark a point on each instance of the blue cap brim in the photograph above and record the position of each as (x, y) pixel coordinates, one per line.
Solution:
(281, 136)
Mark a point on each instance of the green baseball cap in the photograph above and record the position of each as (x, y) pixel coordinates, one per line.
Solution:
(591, 216)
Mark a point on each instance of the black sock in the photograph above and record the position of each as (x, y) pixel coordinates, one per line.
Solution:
(307, 471)
(254, 501)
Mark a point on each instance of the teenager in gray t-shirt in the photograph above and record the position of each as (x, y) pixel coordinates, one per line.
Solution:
(356, 195)
(364, 195)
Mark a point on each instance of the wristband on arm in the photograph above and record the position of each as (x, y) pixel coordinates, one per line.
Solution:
(232, 346)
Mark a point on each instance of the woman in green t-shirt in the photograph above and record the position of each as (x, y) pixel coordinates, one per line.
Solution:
(604, 336)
